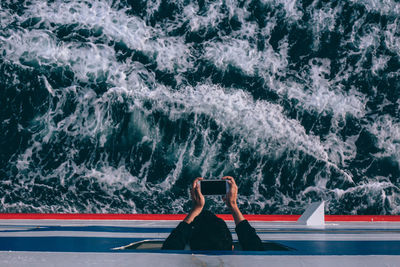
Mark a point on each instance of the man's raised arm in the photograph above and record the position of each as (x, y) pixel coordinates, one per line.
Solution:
(179, 237)
(247, 235)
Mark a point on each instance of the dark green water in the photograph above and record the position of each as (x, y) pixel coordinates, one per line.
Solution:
(116, 106)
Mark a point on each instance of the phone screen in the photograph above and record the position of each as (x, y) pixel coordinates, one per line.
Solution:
(215, 187)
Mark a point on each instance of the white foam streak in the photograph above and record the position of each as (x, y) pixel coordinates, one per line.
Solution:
(371, 194)
(210, 19)
(382, 6)
(325, 96)
(5, 18)
(172, 177)
(89, 63)
(116, 178)
(261, 123)
(379, 63)
(292, 11)
(93, 61)
(322, 20)
(233, 52)
(387, 131)
(341, 151)
(392, 38)
(171, 52)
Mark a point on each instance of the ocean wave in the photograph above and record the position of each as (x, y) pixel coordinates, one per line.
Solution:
(113, 107)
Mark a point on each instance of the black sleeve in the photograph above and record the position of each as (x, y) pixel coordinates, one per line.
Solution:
(248, 237)
(178, 238)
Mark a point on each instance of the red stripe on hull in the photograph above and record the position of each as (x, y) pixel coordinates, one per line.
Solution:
(362, 218)
(178, 217)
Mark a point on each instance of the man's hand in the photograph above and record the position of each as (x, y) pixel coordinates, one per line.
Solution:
(197, 197)
(231, 196)
(197, 201)
(230, 200)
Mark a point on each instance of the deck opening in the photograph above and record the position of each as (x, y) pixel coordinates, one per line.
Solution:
(157, 244)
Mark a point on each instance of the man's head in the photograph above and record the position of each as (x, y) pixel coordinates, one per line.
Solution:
(210, 233)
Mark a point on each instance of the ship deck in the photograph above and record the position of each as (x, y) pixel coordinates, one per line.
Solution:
(61, 240)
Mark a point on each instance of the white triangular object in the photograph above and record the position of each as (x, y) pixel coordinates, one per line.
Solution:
(314, 215)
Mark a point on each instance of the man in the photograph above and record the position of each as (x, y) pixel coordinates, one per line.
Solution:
(202, 230)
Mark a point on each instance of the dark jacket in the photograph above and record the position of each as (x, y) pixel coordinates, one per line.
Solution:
(247, 235)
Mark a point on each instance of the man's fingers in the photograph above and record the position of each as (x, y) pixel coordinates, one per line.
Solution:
(194, 185)
(229, 179)
(198, 191)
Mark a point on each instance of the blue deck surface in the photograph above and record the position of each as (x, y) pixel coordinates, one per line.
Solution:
(105, 244)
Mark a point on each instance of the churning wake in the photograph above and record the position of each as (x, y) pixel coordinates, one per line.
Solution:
(116, 106)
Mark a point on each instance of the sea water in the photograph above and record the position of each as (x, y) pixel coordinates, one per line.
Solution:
(116, 106)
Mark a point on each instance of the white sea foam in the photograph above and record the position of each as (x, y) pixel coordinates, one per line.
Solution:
(379, 64)
(238, 53)
(171, 52)
(392, 38)
(325, 95)
(211, 18)
(369, 40)
(258, 126)
(387, 131)
(5, 18)
(378, 194)
(261, 122)
(292, 10)
(381, 6)
(90, 63)
(322, 20)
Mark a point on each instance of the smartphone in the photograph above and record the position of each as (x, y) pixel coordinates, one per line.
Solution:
(214, 187)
